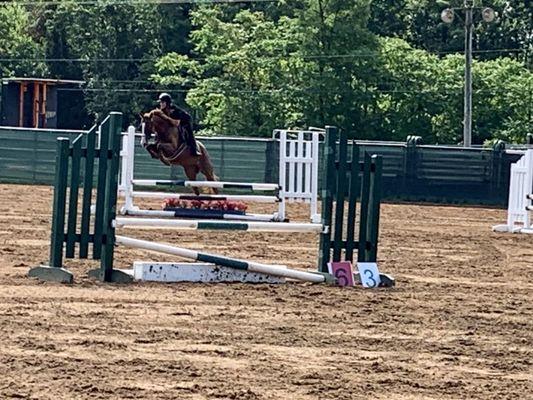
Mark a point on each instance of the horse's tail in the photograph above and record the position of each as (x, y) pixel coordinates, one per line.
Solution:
(206, 166)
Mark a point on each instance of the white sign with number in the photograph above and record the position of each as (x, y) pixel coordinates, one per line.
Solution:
(369, 274)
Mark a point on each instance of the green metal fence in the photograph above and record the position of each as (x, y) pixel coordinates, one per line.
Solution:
(411, 171)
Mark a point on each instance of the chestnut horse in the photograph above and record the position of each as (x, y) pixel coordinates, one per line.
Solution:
(168, 147)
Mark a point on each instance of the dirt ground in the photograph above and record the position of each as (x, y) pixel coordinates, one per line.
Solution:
(459, 324)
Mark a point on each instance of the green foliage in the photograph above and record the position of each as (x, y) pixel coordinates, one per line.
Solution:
(407, 95)
(428, 96)
(503, 100)
(238, 79)
(93, 34)
(419, 23)
(17, 43)
(381, 69)
(252, 74)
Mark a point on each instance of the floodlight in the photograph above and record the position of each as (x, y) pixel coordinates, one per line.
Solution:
(447, 15)
(488, 14)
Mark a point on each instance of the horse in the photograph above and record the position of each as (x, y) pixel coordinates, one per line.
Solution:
(169, 149)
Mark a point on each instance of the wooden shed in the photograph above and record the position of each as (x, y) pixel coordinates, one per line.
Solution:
(32, 102)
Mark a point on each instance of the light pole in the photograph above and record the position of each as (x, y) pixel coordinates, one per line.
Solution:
(447, 16)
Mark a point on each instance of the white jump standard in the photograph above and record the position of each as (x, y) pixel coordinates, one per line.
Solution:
(520, 195)
(298, 168)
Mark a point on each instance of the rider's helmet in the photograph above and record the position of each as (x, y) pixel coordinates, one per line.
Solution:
(166, 98)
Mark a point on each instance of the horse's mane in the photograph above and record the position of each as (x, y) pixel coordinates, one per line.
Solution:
(159, 121)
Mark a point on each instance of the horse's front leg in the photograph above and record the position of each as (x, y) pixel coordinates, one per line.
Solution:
(155, 152)
(167, 149)
(152, 150)
(191, 171)
(146, 136)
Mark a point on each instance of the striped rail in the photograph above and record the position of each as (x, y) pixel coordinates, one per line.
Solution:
(226, 197)
(255, 187)
(199, 213)
(126, 222)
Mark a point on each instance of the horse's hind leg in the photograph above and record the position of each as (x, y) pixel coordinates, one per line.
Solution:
(206, 167)
(191, 171)
(210, 176)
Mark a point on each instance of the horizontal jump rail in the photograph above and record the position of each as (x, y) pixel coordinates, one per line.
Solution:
(209, 184)
(274, 270)
(301, 160)
(251, 226)
(251, 198)
(222, 215)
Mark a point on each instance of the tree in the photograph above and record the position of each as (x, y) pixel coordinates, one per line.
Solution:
(419, 23)
(113, 47)
(253, 72)
(503, 100)
(408, 96)
(239, 81)
(423, 95)
(21, 54)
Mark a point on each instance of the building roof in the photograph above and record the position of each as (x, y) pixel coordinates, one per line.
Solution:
(43, 80)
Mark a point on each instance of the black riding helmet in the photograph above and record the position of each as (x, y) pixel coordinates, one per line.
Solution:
(165, 97)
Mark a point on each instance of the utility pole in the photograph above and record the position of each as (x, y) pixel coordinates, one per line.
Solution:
(447, 16)
(467, 123)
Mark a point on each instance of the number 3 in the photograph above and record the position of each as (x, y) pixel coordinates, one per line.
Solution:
(370, 277)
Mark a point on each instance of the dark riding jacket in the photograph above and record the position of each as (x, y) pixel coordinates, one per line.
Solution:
(185, 129)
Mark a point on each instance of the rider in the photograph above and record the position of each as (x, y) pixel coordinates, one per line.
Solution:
(180, 119)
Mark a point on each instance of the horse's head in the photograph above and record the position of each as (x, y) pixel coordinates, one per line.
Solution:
(147, 127)
(146, 123)
(155, 121)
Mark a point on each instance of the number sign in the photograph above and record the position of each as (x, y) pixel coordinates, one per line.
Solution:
(343, 271)
(369, 274)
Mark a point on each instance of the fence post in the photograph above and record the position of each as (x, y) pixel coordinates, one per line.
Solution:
(353, 192)
(59, 203)
(88, 181)
(364, 207)
(271, 160)
(328, 182)
(112, 148)
(100, 191)
(340, 194)
(497, 158)
(410, 163)
(55, 271)
(374, 209)
(73, 197)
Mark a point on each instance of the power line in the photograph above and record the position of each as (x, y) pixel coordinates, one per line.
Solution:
(481, 51)
(88, 60)
(257, 91)
(301, 56)
(132, 2)
(122, 90)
